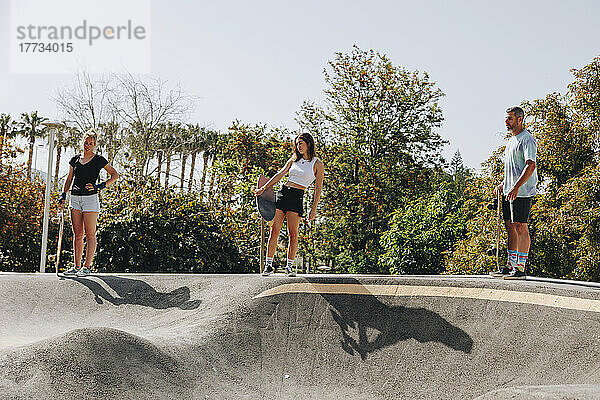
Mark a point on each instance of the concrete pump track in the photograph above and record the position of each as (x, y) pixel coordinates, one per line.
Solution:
(311, 337)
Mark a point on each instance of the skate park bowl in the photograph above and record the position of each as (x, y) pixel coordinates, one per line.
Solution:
(310, 337)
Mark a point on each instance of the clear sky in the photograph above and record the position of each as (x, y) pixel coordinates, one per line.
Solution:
(258, 60)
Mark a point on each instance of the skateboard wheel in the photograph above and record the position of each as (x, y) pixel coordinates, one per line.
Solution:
(52, 257)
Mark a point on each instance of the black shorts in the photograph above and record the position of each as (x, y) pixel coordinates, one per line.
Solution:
(521, 208)
(290, 199)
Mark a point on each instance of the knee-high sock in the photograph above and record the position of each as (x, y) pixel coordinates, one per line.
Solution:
(522, 260)
(512, 259)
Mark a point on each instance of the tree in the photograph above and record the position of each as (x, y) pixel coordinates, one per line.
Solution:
(380, 145)
(566, 146)
(86, 100)
(196, 146)
(184, 137)
(209, 152)
(7, 131)
(470, 250)
(423, 230)
(30, 128)
(143, 104)
(111, 139)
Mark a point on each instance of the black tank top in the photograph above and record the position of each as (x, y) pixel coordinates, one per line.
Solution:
(86, 173)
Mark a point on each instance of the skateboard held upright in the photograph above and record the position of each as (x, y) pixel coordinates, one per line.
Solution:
(60, 220)
(266, 201)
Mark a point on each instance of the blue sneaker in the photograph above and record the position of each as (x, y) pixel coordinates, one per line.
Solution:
(71, 271)
(83, 271)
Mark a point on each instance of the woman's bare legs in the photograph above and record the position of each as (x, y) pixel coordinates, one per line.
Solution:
(293, 225)
(90, 219)
(274, 235)
(77, 224)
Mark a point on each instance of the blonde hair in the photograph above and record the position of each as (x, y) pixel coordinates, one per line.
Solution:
(92, 133)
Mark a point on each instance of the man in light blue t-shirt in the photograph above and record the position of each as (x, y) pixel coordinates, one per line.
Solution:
(518, 188)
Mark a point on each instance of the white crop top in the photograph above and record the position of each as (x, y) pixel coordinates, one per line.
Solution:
(302, 172)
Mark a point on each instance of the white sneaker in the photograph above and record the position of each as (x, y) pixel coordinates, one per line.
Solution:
(289, 271)
(83, 271)
(71, 271)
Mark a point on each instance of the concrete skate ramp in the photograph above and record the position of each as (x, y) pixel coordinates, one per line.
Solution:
(310, 337)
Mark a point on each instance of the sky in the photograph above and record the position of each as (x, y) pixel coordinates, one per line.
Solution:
(258, 61)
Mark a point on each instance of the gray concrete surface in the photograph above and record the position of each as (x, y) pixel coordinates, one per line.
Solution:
(310, 337)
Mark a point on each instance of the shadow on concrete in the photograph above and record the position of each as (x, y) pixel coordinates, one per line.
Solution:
(135, 291)
(359, 315)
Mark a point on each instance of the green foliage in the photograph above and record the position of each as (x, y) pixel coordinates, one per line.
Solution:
(567, 240)
(377, 139)
(470, 254)
(150, 229)
(21, 212)
(423, 230)
(565, 145)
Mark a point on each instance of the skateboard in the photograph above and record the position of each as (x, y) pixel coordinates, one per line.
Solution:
(60, 220)
(265, 203)
(516, 278)
(496, 204)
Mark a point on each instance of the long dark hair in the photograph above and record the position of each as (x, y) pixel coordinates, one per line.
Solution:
(311, 146)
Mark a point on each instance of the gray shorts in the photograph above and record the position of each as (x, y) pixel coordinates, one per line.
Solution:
(89, 203)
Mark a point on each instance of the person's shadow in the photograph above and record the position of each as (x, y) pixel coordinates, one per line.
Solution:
(135, 291)
(358, 314)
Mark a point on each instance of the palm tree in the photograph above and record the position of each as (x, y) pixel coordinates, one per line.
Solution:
(209, 145)
(30, 128)
(7, 131)
(170, 136)
(161, 147)
(65, 137)
(110, 139)
(184, 140)
(216, 150)
(196, 146)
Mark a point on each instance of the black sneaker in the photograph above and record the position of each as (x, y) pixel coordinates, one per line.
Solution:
(289, 271)
(516, 273)
(268, 270)
(504, 271)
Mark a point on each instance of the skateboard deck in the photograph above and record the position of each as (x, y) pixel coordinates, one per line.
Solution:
(265, 203)
(508, 277)
(60, 220)
(515, 278)
(497, 204)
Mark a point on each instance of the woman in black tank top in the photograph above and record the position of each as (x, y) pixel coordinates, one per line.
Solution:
(82, 181)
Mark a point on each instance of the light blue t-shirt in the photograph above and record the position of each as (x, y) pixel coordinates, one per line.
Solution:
(519, 149)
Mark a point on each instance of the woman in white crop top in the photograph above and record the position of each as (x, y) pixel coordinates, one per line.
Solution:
(304, 168)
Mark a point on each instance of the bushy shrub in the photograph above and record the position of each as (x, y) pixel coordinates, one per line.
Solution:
(150, 229)
(422, 231)
(21, 216)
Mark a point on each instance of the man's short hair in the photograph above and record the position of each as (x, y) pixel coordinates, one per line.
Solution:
(517, 110)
